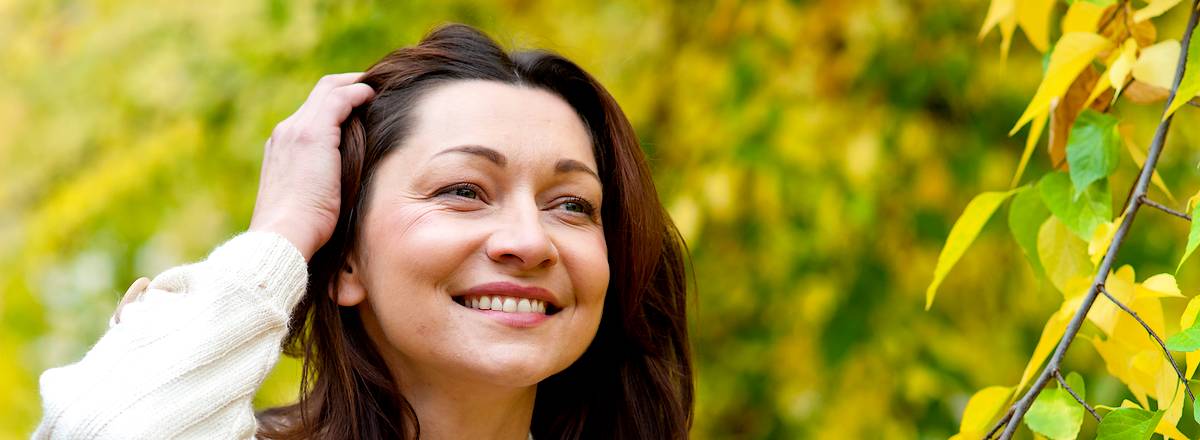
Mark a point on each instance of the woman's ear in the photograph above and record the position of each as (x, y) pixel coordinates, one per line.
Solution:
(350, 288)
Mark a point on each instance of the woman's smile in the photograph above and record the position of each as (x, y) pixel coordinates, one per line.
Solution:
(511, 304)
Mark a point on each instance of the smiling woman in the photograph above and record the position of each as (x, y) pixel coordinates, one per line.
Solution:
(486, 258)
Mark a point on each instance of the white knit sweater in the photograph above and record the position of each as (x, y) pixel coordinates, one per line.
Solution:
(187, 358)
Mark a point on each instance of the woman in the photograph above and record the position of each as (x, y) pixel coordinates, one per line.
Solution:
(486, 258)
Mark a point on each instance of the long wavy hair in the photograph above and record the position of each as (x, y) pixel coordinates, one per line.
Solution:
(633, 381)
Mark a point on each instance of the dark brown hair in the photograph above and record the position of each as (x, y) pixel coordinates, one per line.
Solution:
(633, 381)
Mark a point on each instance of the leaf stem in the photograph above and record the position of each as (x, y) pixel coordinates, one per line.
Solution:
(1063, 383)
(1160, 135)
(1157, 339)
(1165, 209)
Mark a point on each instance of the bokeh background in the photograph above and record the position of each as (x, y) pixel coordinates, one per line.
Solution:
(813, 153)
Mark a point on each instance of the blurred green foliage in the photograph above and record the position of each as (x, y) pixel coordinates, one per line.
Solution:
(813, 153)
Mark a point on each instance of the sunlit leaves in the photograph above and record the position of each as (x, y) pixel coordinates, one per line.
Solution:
(1193, 237)
(1128, 423)
(982, 409)
(1073, 52)
(1187, 340)
(964, 231)
(1033, 16)
(1156, 65)
(1092, 149)
(1063, 254)
(1081, 215)
(1082, 17)
(1189, 86)
(1026, 214)
(1055, 414)
(1154, 9)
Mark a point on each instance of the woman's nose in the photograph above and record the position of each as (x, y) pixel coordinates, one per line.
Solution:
(521, 240)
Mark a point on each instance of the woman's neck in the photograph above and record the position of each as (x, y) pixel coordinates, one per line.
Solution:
(449, 408)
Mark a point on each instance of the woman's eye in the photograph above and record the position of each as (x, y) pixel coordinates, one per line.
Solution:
(575, 207)
(578, 205)
(465, 192)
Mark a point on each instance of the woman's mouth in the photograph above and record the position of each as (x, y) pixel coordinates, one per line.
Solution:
(506, 304)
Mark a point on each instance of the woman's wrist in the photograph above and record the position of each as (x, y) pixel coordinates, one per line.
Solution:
(302, 241)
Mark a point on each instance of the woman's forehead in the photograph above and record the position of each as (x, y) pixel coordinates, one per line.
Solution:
(521, 123)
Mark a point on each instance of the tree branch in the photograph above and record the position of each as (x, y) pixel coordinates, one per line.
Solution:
(1166, 352)
(1063, 383)
(1139, 190)
(1165, 209)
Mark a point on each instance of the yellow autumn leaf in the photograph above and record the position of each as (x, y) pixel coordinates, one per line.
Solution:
(1168, 384)
(1156, 65)
(1153, 9)
(1034, 18)
(1073, 52)
(1139, 158)
(1035, 133)
(1101, 238)
(1118, 72)
(1101, 85)
(1121, 286)
(964, 231)
(1063, 255)
(982, 409)
(1082, 17)
(1160, 286)
(1002, 13)
(1052, 333)
(997, 11)
(1191, 358)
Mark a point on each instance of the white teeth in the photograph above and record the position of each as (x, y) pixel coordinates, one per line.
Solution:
(506, 304)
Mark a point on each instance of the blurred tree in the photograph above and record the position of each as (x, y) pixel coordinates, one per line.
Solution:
(814, 154)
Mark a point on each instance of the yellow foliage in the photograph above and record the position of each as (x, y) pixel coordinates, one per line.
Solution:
(1073, 52)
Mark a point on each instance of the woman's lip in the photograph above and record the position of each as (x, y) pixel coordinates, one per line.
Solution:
(504, 288)
(519, 320)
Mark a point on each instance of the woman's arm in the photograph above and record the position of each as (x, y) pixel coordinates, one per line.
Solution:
(188, 356)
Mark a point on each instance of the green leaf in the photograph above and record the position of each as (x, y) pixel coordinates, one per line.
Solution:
(1055, 414)
(1187, 340)
(1193, 238)
(1189, 86)
(1075, 381)
(1063, 255)
(964, 231)
(1195, 411)
(1083, 215)
(1025, 216)
(1128, 423)
(1092, 149)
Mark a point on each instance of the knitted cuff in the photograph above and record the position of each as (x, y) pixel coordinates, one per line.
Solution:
(264, 262)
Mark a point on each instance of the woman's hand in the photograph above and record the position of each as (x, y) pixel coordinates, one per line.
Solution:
(299, 191)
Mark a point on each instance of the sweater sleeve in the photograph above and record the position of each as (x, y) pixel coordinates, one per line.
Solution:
(188, 356)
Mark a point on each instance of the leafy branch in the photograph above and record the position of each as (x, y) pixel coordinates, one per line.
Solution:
(1015, 414)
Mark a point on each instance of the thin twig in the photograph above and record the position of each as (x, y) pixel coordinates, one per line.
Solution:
(1166, 352)
(1132, 205)
(1063, 383)
(1165, 209)
(999, 424)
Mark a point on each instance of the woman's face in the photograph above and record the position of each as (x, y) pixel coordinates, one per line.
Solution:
(495, 195)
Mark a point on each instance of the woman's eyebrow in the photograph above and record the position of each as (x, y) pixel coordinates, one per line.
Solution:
(478, 150)
(498, 158)
(572, 165)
